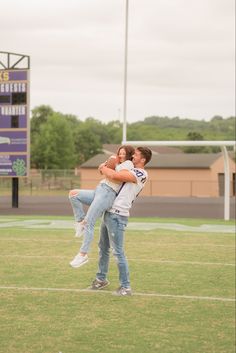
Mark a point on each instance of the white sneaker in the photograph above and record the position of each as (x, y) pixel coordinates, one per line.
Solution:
(79, 229)
(79, 260)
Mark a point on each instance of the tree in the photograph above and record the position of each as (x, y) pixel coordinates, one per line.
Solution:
(54, 146)
(87, 144)
(195, 136)
(86, 138)
(40, 116)
(97, 128)
(113, 132)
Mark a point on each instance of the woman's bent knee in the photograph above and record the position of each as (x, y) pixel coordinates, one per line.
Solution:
(73, 192)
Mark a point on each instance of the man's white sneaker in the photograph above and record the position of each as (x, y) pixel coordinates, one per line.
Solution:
(79, 260)
(79, 229)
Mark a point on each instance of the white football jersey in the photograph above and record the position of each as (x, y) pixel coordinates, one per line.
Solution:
(128, 193)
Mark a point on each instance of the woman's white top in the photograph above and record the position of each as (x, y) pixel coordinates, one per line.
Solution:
(127, 165)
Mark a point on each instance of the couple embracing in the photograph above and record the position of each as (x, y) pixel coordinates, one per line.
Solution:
(112, 199)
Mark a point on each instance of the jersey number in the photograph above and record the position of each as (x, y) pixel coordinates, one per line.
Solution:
(140, 175)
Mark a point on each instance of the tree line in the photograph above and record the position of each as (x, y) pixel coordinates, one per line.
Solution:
(62, 141)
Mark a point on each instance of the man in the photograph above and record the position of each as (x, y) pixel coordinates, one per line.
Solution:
(115, 220)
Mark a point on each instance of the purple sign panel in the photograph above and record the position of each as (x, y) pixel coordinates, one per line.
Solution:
(13, 141)
(14, 117)
(8, 122)
(13, 75)
(15, 166)
(18, 75)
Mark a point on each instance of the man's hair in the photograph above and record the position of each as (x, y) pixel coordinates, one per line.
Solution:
(129, 151)
(146, 153)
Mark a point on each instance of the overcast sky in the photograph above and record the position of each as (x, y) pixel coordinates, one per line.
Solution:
(181, 56)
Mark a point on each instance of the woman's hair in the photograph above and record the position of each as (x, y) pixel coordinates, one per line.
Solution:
(129, 151)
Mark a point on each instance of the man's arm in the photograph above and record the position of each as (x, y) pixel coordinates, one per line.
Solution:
(121, 176)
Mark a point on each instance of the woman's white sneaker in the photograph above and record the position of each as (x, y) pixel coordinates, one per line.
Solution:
(79, 260)
(79, 229)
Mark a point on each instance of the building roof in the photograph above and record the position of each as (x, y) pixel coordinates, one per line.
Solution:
(112, 148)
(170, 161)
(95, 161)
(185, 160)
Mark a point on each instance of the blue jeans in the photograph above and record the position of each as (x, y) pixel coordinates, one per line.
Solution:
(112, 236)
(100, 200)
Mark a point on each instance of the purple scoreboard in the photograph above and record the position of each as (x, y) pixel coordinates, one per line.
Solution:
(14, 123)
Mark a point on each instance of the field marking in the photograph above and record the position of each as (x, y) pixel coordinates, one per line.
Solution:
(64, 224)
(41, 240)
(185, 244)
(172, 262)
(76, 290)
(74, 240)
(185, 262)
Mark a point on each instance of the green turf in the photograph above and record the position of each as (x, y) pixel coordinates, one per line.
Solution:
(162, 262)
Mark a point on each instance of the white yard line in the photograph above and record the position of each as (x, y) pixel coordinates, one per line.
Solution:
(172, 262)
(75, 290)
(76, 240)
(184, 244)
(36, 256)
(185, 262)
(41, 240)
(141, 226)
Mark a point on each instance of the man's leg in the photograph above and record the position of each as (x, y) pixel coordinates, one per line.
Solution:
(116, 225)
(103, 263)
(104, 253)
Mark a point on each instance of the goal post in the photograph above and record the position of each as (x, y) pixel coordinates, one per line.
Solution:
(222, 144)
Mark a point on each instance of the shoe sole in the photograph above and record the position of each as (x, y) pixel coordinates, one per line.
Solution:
(100, 287)
(122, 295)
(77, 266)
(78, 235)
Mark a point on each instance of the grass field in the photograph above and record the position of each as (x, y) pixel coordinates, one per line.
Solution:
(183, 284)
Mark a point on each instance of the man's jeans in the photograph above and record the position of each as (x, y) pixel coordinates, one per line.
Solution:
(100, 200)
(112, 236)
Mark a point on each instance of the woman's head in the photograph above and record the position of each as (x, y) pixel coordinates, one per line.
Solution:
(125, 152)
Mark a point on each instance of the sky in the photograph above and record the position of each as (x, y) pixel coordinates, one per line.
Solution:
(181, 56)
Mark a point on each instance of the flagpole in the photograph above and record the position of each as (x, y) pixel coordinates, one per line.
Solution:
(125, 73)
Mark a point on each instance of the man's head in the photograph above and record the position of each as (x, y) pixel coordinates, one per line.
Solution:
(141, 156)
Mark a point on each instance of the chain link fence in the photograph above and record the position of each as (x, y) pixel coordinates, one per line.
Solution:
(53, 181)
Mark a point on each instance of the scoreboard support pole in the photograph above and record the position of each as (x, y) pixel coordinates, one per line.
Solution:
(15, 192)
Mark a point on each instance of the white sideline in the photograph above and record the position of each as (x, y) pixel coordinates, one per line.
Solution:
(76, 290)
(130, 259)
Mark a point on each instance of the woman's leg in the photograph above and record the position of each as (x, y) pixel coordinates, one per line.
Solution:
(78, 198)
(103, 200)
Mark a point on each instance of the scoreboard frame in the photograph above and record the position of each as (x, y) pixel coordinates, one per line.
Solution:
(14, 115)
